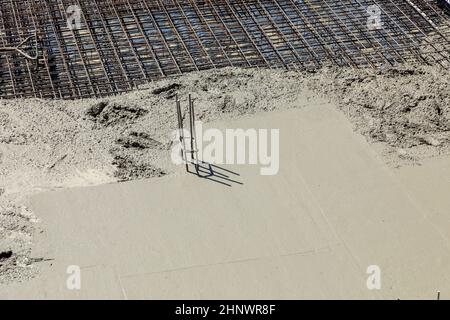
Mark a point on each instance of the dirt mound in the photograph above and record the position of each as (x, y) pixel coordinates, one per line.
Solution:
(16, 230)
(169, 91)
(140, 140)
(107, 114)
(407, 108)
(128, 169)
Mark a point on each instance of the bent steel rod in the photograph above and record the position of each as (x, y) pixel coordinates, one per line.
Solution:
(17, 49)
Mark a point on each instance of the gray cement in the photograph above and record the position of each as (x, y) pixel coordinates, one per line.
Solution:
(50, 145)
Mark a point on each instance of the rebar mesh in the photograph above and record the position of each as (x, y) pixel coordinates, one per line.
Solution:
(123, 43)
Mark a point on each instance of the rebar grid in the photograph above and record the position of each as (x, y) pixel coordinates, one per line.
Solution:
(124, 43)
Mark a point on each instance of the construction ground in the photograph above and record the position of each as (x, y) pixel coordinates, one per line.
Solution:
(359, 91)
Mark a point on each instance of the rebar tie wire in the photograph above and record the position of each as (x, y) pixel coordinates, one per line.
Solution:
(18, 49)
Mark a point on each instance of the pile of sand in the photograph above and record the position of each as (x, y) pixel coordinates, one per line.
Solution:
(16, 235)
(407, 109)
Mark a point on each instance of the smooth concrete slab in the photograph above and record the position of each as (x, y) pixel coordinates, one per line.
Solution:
(428, 184)
(311, 231)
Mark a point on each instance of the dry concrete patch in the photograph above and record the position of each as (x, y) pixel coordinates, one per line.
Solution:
(52, 144)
